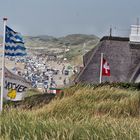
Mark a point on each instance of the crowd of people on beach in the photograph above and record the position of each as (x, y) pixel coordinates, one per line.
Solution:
(43, 74)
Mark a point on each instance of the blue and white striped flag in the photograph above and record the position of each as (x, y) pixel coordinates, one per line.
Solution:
(14, 44)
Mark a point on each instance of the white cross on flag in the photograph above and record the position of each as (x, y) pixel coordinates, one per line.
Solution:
(105, 68)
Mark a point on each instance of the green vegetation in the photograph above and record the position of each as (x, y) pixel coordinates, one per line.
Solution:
(57, 46)
(70, 40)
(104, 112)
(77, 39)
(75, 55)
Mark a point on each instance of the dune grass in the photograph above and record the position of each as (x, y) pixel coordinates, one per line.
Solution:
(83, 113)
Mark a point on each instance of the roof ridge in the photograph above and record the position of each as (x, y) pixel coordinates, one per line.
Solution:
(81, 72)
(116, 38)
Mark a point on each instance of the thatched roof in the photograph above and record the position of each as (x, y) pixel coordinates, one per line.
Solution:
(123, 57)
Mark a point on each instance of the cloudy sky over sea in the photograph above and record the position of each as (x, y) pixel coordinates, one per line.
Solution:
(63, 17)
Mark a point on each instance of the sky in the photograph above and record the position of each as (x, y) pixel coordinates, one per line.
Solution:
(62, 17)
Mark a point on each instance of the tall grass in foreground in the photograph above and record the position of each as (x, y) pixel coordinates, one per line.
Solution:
(100, 101)
(25, 126)
(85, 112)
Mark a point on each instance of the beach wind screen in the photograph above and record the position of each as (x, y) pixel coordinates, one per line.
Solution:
(15, 87)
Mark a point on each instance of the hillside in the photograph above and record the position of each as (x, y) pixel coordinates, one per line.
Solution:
(49, 41)
(84, 112)
(70, 46)
(79, 39)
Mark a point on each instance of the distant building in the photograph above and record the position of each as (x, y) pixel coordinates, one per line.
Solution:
(123, 55)
(51, 57)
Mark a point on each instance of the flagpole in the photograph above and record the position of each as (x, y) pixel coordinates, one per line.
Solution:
(3, 64)
(101, 68)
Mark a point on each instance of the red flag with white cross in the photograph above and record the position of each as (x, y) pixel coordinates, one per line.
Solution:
(105, 68)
